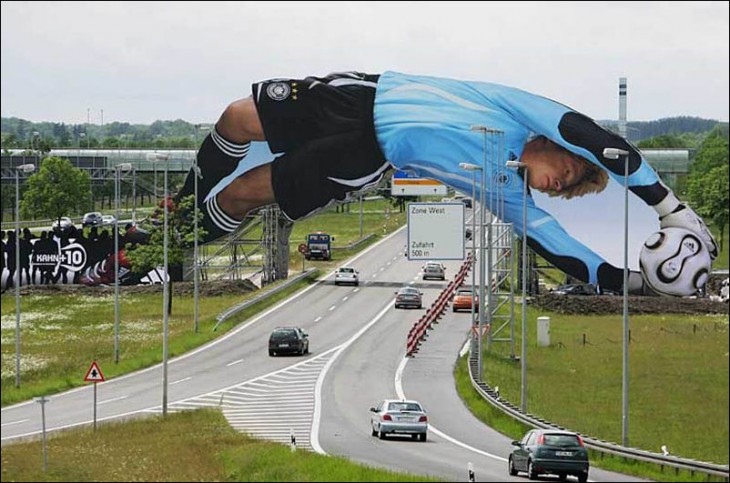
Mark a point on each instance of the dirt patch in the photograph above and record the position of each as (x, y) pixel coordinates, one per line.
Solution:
(612, 304)
(207, 289)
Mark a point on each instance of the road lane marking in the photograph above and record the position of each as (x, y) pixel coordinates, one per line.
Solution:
(112, 400)
(234, 363)
(357, 289)
(181, 380)
(332, 308)
(14, 422)
(344, 299)
(314, 434)
(318, 319)
(431, 427)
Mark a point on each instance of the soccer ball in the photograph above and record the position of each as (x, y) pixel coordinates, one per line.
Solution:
(674, 261)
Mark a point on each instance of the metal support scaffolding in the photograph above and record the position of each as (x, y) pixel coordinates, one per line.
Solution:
(260, 248)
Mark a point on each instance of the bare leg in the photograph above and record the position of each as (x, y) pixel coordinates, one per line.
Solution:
(240, 122)
(250, 190)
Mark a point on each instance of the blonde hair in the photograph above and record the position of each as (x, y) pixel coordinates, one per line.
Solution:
(594, 180)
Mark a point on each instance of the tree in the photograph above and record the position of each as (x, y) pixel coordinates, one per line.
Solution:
(710, 196)
(181, 237)
(55, 190)
(708, 181)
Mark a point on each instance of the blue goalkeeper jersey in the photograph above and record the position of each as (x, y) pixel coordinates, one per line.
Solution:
(425, 125)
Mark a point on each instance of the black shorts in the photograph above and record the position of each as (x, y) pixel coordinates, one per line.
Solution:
(324, 127)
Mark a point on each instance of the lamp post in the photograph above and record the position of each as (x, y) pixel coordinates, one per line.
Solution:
(196, 254)
(523, 351)
(25, 168)
(484, 266)
(165, 288)
(117, 173)
(473, 168)
(615, 153)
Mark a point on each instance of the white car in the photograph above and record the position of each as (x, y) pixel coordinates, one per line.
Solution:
(347, 275)
(107, 220)
(399, 417)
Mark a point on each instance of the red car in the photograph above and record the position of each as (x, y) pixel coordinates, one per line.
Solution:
(463, 300)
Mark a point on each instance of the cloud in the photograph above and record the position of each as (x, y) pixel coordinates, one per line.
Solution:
(143, 61)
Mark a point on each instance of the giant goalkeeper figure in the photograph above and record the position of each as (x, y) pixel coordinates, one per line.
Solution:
(338, 135)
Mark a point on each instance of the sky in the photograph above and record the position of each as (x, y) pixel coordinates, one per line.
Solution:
(139, 62)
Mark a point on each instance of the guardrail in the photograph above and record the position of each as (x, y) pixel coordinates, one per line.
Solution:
(223, 316)
(596, 444)
(419, 330)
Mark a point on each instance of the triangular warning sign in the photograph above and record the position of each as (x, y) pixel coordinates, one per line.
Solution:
(94, 373)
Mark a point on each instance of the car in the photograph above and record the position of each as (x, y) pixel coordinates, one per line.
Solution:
(544, 451)
(409, 297)
(288, 340)
(91, 219)
(463, 300)
(347, 275)
(108, 220)
(434, 270)
(576, 289)
(393, 416)
(64, 225)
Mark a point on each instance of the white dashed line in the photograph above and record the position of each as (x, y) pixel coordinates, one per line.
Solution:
(356, 290)
(14, 422)
(112, 400)
(344, 299)
(318, 319)
(181, 380)
(332, 308)
(234, 363)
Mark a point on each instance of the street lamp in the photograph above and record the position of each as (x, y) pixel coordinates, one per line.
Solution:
(473, 168)
(25, 168)
(615, 153)
(523, 352)
(484, 271)
(196, 267)
(164, 157)
(118, 169)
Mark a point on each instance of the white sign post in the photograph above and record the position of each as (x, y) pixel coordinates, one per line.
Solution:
(436, 231)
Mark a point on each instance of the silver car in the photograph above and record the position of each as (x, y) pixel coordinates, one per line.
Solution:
(394, 416)
(347, 275)
(434, 270)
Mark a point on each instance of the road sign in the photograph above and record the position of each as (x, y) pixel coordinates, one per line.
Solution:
(303, 248)
(435, 231)
(409, 184)
(94, 373)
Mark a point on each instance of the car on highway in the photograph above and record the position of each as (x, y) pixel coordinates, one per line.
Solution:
(463, 300)
(63, 225)
(347, 275)
(108, 220)
(288, 340)
(576, 289)
(434, 270)
(543, 451)
(409, 297)
(393, 416)
(91, 219)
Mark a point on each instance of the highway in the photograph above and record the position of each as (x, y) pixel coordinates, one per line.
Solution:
(357, 344)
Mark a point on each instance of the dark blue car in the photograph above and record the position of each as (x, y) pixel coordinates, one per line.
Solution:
(552, 452)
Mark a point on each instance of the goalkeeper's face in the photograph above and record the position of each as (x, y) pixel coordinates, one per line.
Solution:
(552, 168)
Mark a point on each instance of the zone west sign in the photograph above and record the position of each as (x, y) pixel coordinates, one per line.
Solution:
(435, 231)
